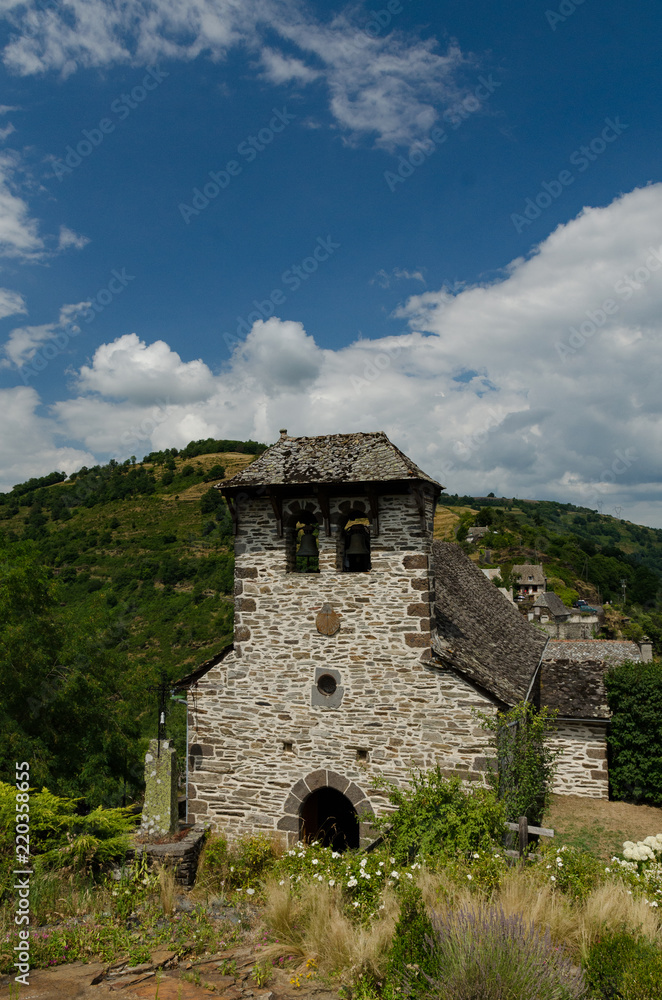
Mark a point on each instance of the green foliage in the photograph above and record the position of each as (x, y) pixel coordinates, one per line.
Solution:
(522, 770)
(61, 837)
(634, 692)
(438, 815)
(63, 687)
(574, 873)
(412, 960)
(244, 865)
(622, 966)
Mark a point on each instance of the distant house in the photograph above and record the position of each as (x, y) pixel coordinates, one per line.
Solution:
(561, 622)
(532, 580)
(572, 681)
(476, 532)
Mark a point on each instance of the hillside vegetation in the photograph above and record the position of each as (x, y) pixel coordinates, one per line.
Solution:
(585, 554)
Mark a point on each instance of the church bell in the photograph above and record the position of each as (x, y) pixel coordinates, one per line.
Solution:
(308, 545)
(357, 543)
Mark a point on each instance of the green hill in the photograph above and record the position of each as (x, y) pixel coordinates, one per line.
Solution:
(585, 554)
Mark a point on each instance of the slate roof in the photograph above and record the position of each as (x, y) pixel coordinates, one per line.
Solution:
(527, 570)
(572, 674)
(333, 458)
(553, 603)
(479, 632)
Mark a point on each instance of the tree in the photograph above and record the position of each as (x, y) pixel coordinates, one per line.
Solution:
(66, 694)
(523, 764)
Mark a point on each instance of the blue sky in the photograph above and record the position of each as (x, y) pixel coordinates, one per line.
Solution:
(439, 220)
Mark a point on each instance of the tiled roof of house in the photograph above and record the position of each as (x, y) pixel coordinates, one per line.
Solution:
(534, 571)
(479, 632)
(553, 603)
(331, 458)
(572, 674)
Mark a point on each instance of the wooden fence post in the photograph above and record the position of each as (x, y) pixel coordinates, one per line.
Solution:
(523, 835)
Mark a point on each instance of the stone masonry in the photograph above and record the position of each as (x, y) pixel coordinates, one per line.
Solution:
(582, 767)
(264, 735)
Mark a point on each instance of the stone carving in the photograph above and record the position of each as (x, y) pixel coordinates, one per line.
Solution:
(327, 621)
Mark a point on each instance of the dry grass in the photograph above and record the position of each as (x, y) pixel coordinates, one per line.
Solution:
(600, 826)
(446, 520)
(313, 927)
(167, 889)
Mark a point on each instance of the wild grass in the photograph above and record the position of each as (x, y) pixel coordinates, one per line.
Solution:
(312, 926)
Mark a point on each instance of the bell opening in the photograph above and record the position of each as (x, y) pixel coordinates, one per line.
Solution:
(357, 548)
(307, 558)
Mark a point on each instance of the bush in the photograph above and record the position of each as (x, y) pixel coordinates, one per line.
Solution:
(634, 693)
(621, 966)
(244, 865)
(438, 815)
(487, 955)
(412, 949)
(524, 770)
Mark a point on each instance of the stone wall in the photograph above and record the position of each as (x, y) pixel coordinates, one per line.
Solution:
(258, 722)
(582, 768)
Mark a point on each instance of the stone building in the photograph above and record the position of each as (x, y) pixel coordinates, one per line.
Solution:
(361, 646)
(560, 622)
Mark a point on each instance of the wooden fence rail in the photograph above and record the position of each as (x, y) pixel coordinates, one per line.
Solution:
(523, 829)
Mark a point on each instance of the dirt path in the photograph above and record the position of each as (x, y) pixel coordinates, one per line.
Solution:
(164, 978)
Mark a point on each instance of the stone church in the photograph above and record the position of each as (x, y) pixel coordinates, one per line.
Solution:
(361, 650)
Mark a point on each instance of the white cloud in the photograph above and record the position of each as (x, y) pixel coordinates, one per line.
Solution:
(131, 370)
(11, 303)
(381, 82)
(19, 235)
(27, 445)
(68, 238)
(477, 392)
(281, 69)
(6, 131)
(25, 341)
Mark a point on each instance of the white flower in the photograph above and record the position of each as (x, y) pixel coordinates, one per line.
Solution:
(332, 882)
(476, 855)
(381, 864)
(392, 861)
(394, 874)
(352, 882)
(553, 878)
(335, 854)
(315, 861)
(251, 892)
(409, 875)
(607, 869)
(559, 863)
(355, 903)
(282, 882)
(469, 877)
(364, 862)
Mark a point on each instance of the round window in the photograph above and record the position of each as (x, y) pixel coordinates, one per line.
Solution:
(326, 684)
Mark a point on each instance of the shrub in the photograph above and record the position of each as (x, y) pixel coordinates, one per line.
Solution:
(412, 948)
(634, 692)
(622, 966)
(525, 763)
(241, 866)
(437, 816)
(484, 954)
(575, 873)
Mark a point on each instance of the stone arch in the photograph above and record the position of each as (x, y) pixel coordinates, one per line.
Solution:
(290, 822)
(297, 512)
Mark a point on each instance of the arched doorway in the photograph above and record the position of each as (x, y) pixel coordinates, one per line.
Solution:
(330, 818)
